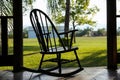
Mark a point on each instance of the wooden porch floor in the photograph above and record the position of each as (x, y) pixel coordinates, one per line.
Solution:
(89, 73)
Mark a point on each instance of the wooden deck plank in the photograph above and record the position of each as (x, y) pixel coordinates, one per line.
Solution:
(89, 73)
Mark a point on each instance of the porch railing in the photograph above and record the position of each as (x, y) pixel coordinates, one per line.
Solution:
(4, 55)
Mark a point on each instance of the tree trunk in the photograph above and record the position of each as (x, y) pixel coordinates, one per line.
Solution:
(67, 14)
(74, 39)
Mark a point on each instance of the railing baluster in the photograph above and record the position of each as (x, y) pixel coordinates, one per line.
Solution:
(4, 36)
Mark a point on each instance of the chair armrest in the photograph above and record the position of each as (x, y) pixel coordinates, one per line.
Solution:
(71, 38)
(68, 32)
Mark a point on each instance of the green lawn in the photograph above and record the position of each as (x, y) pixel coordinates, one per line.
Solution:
(92, 52)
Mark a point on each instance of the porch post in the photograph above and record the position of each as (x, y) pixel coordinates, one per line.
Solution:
(111, 35)
(18, 42)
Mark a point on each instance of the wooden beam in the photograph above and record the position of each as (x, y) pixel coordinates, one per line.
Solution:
(111, 35)
(18, 39)
(4, 35)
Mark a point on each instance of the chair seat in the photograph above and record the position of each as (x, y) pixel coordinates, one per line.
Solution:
(59, 50)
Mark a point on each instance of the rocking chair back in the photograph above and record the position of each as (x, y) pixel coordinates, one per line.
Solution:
(46, 32)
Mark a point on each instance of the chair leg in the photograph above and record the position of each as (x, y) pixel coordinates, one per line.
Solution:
(77, 58)
(41, 61)
(59, 62)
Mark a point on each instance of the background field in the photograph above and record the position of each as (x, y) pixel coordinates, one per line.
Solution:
(92, 52)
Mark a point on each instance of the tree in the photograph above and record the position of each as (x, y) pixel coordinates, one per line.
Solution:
(54, 7)
(80, 13)
(118, 31)
(6, 9)
(6, 6)
(101, 32)
(86, 32)
(67, 15)
(25, 33)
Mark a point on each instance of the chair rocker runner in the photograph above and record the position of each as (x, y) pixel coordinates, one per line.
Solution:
(48, 38)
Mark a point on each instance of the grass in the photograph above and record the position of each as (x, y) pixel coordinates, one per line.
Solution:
(92, 52)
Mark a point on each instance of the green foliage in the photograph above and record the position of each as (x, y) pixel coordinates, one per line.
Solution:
(85, 32)
(25, 33)
(118, 31)
(10, 35)
(6, 7)
(80, 12)
(27, 5)
(101, 32)
(89, 32)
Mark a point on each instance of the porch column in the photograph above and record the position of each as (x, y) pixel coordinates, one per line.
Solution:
(111, 35)
(18, 40)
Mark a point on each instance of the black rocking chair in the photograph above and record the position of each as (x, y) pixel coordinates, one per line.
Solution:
(51, 42)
